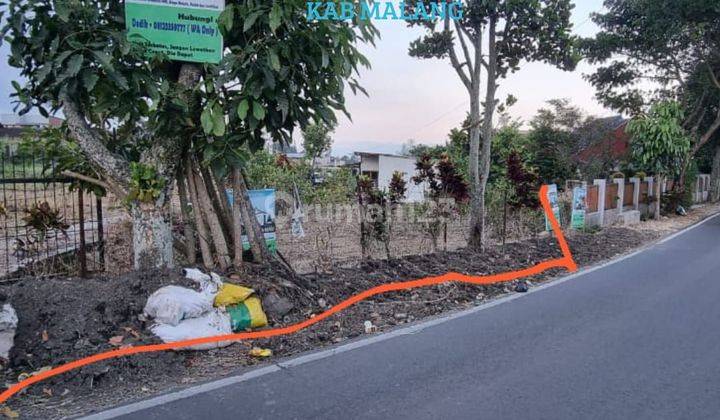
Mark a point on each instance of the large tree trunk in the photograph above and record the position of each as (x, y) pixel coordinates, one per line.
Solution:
(205, 206)
(658, 192)
(188, 224)
(476, 192)
(202, 230)
(478, 197)
(259, 249)
(152, 236)
(237, 220)
(715, 175)
(216, 192)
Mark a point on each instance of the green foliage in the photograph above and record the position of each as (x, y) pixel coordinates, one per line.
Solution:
(145, 183)
(375, 213)
(397, 188)
(317, 140)
(280, 70)
(43, 219)
(665, 41)
(58, 153)
(508, 140)
(535, 30)
(551, 140)
(659, 142)
(263, 170)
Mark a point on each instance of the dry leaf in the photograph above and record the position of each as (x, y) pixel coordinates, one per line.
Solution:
(45, 336)
(8, 412)
(258, 352)
(48, 392)
(117, 340)
(132, 332)
(23, 376)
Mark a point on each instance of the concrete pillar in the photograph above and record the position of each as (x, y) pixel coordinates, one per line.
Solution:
(621, 193)
(601, 200)
(636, 193)
(651, 190)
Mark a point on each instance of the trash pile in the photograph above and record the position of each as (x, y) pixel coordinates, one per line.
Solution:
(219, 308)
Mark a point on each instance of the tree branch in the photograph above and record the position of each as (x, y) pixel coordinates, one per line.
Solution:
(713, 77)
(110, 165)
(87, 179)
(454, 60)
(477, 43)
(696, 111)
(708, 133)
(465, 50)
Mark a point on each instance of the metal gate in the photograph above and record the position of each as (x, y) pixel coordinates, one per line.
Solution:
(48, 226)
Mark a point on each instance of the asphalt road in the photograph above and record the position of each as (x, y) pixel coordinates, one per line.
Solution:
(636, 339)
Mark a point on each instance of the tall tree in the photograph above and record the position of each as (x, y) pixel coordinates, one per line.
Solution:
(280, 70)
(317, 140)
(512, 31)
(660, 49)
(553, 140)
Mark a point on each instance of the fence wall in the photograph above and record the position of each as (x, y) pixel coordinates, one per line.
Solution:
(65, 236)
(622, 201)
(333, 236)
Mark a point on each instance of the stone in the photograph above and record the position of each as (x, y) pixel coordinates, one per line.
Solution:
(276, 306)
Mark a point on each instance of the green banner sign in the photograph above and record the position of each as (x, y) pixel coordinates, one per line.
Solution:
(579, 207)
(552, 195)
(185, 30)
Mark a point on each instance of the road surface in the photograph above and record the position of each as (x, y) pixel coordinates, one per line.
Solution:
(639, 338)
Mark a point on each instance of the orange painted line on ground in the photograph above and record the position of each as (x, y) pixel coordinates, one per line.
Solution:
(565, 262)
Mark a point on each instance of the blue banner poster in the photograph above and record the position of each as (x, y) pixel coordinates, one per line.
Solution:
(263, 201)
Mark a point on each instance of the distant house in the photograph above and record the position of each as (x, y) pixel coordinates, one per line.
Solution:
(13, 127)
(380, 167)
(611, 150)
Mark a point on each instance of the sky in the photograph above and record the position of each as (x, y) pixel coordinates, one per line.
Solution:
(423, 99)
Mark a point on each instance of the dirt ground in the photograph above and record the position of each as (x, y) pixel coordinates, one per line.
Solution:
(65, 319)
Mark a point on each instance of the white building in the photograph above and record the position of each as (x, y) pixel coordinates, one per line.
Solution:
(380, 167)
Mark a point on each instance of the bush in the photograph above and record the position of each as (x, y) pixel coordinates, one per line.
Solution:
(265, 170)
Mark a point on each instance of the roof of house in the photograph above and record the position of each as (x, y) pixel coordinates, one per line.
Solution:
(616, 145)
(12, 132)
(384, 154)
(28, 120)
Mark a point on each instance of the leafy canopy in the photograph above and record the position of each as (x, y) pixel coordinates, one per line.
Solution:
(651, 49)
(317, 140)
(279, 71)
(659, 143)
(532, 30)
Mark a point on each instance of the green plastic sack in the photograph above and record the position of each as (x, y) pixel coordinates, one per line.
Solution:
(246, 315)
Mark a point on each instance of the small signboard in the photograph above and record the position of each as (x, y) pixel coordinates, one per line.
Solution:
(579, 207)
(552, 193)
(263, 202)
(185, 30)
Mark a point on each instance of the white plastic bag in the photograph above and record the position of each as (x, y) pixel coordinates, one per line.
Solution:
(209, 284)
(172, 304)
(8, 324)
(213, 323)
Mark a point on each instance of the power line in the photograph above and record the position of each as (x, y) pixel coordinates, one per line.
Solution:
(433, 122)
